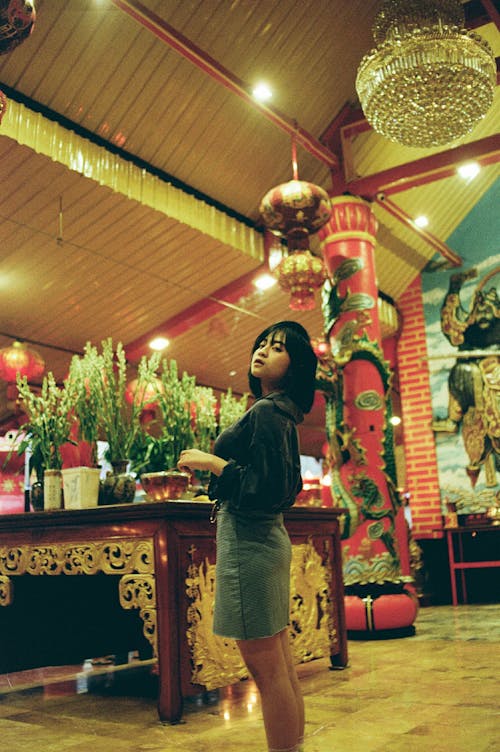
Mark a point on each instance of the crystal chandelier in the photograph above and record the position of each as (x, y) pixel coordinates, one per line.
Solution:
(429, 80)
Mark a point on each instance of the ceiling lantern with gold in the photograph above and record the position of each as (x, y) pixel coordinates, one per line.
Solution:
(17, 19)
(294, 211)
(428, 81)
(20, 359)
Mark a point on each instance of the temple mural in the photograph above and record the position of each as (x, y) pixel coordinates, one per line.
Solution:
(462, 315)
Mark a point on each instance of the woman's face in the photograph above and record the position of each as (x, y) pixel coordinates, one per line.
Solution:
(270, 362)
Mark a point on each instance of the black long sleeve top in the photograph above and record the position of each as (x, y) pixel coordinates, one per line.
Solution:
(262, 451)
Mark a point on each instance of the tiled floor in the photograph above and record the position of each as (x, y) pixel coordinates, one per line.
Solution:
(434, 692)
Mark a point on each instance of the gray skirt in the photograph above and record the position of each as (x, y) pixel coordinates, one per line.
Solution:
(252, 579)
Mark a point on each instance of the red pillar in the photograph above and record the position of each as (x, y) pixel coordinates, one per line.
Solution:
(376, 598)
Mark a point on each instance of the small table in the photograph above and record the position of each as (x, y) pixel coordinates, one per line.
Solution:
(157, 559)
(456, 556)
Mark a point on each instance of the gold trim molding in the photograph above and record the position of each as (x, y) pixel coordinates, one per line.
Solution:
(133, 559)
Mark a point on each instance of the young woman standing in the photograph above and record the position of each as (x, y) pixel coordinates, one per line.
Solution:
(255, 476)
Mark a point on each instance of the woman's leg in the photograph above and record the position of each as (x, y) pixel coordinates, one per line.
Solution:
(266, 662)
(294, 681)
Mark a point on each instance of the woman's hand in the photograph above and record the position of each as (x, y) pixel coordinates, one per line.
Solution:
(195, 459)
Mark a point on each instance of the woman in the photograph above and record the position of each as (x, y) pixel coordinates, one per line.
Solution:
(255, 476)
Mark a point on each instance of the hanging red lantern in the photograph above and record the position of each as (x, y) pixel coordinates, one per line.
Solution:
(301, 274)
(3, 105)
(17, 19)
(147, 396)
(295, 210)
(20, 359)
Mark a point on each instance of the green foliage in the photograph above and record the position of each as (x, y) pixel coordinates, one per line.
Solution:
(49, 421)
(231, 409)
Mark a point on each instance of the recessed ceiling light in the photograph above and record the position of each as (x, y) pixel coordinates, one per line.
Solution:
(264, 281)
(159, 343)
(262, 92)
(469, 170)
(421, 221)
(232, 373)
(395, 420)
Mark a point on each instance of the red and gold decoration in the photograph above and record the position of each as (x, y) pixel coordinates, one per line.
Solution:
(20, 359)
(147, 395)
(3, 105)
(429, 80)
(301, 274)
(295, 210)
(361, 453)
(17, 19)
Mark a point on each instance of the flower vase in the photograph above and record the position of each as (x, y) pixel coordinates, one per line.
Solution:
(118, 487)
(36, 496)
(52, 489)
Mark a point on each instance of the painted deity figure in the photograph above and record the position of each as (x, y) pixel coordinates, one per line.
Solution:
(474, 379)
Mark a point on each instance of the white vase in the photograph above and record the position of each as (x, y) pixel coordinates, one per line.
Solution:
(81, 487)
(52, 489)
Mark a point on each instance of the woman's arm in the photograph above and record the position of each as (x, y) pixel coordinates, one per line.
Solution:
(194, 459)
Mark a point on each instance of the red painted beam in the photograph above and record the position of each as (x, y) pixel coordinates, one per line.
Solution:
(426, 170)
(224, 297)
(432, 240)
(178, 42)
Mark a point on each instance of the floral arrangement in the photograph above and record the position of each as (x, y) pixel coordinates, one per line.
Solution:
(49, 421)
(102, 380)
(231, 409)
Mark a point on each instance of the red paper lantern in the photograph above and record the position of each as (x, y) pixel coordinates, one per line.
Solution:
(295, 210)
(17, 19)
(146, 396)
(301, 274)
(20, 359)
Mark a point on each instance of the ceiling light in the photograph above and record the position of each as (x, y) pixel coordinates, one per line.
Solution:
(262, 92)
(428, 81)
(469, 170)
(395, 420)
(421, 221)
(264, 282)
(159, 343)
(233, 372)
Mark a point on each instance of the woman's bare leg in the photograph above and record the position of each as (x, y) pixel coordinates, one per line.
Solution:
(294, 681)
(265, 659)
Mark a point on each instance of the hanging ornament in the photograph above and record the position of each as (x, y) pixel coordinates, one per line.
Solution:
(17, 19)
(3, 105)
(301, 274)
(20, 359)
(296, 210)
(147, 395)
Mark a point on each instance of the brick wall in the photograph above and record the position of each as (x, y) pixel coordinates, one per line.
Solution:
(418, 437)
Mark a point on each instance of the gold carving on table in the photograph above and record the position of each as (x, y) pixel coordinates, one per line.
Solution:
(310, 628)
(6, 591)
(139, 591)
(109, 557)
(216, 661)
(131, 558)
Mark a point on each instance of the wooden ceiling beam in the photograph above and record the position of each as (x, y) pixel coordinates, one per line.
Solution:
(178, 42)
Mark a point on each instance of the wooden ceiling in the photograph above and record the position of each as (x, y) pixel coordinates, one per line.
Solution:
(147, 221)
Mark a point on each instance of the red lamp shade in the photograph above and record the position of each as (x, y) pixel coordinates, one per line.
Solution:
(3, 105)
(146, 396)
(17, 18)
(20, 359)
(295, 209)
(301, 274)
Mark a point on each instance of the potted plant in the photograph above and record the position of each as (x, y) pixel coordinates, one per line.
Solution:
(47, 428)
(157, 449)
(104, 375)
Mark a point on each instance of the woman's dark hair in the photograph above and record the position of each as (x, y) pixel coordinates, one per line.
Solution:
(299, 382)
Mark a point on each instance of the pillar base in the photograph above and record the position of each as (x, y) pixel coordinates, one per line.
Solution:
(380, 611)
